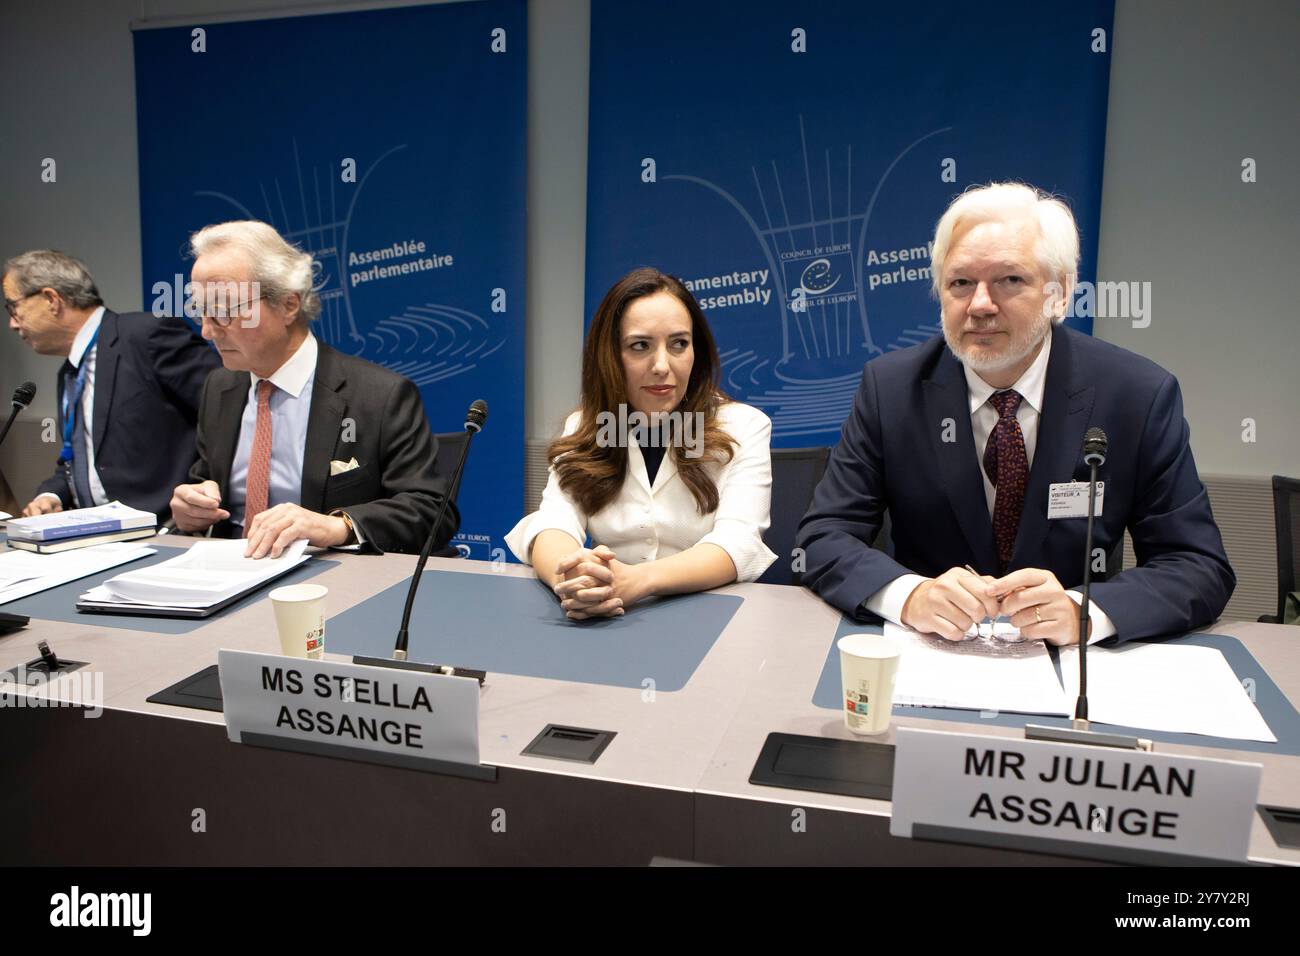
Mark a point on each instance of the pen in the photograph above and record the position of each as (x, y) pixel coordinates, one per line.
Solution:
(986, 620)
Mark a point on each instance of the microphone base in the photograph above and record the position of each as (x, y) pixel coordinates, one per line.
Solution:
(404, 665)
(1081, 735)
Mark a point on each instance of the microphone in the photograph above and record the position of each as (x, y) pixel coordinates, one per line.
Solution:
(1094, 447)
(474, 419)
(1094, 455)
(23, 396)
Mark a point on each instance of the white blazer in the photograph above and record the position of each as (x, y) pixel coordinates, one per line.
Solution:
(645, 523)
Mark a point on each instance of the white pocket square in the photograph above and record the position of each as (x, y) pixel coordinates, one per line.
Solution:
(339, 467)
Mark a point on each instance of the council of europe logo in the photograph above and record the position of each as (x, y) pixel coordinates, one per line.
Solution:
(816, 264)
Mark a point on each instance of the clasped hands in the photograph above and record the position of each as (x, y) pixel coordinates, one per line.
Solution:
(198, 507)
(594, 583)
(1032, 598)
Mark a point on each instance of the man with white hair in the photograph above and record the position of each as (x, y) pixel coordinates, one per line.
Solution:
(295, 439)
(963, 438)
(128, 392)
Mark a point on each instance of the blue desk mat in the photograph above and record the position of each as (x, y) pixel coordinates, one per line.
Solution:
(1273, 705)
(509, 625)
(60, 603)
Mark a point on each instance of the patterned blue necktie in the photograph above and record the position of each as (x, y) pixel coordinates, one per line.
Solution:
(79, 464)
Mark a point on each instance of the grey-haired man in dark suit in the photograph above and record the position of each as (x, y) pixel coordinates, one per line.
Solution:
(295, 439)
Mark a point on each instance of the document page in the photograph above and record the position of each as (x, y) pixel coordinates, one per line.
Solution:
(1178, 688)
(24, 572)
(984, 673)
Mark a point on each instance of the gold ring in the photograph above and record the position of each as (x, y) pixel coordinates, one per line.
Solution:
(1038, 618)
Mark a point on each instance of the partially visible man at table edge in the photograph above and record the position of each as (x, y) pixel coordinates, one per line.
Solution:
(128, 392)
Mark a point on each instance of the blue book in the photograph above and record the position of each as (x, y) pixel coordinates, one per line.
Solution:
(80, 522)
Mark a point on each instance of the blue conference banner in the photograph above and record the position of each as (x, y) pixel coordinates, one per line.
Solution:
(391, 144)
(789, 161)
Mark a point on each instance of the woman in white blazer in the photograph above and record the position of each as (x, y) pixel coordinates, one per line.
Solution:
(670, 478)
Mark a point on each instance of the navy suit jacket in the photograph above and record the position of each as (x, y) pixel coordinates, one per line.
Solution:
(149, 373)
(893, 457)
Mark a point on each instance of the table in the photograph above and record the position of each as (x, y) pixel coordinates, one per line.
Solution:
(740, 823)
(152, 784)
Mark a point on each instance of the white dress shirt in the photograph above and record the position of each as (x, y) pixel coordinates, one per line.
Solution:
(290, 404)
(645, 522)
(888, 601)
(86, 416)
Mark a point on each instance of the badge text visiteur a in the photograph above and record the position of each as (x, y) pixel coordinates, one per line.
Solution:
(1072, 799)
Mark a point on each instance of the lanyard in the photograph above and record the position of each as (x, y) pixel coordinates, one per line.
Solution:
(74, 406)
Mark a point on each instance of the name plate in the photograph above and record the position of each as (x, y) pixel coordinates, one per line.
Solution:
(318, 705)
(1096, 801)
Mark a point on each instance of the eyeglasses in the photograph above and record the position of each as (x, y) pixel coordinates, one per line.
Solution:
(221, 315)
(11, 305)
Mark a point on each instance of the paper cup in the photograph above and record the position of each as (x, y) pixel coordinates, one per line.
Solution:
(868, 669)
(300, 619)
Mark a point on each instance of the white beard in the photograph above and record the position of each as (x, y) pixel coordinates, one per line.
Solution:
(1016, 350)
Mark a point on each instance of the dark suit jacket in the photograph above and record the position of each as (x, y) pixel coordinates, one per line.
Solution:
(392, 497)
(892, 456)
(149, 374)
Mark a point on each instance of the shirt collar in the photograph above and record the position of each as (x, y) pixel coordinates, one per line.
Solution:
(82, 340)
(297, 371)
(1030, 384)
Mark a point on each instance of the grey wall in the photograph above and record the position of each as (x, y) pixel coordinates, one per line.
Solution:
(1195, 86)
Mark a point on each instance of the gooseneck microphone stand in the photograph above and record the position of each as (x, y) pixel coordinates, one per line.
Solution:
(23, 396)
(1094, 455)
(474, 420)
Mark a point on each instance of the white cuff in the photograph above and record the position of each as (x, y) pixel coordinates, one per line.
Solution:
(888, 601)
(1102, 626)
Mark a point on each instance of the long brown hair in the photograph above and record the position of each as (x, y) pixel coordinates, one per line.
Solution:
(591, 474)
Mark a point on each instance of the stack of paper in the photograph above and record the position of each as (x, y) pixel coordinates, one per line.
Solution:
(207, 574)
(1179, 688)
